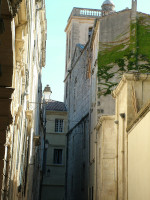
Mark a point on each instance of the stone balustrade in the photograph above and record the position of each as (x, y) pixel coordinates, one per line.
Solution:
(86, 12)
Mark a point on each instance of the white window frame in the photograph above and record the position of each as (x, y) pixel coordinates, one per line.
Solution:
(59, 125)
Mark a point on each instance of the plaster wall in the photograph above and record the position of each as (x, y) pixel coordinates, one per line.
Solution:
(138, 160)
(129, 94)
(121, 107)
(53, 185)
(51, 116)
(106, 160)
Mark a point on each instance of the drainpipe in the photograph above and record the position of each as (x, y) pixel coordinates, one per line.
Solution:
(122, 115)
(96, 167)
(117, 142)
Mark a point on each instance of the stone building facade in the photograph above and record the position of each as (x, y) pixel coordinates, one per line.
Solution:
(54, 173)
(101, 46)
(24, 137)
(6, 72)
(122, 142)
(77, 100)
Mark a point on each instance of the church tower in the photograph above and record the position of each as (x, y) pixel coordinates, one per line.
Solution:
(107, 7)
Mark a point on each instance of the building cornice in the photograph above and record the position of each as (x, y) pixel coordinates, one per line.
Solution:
(79, 18)
(103, 118)
(145, 109)
(133, 76)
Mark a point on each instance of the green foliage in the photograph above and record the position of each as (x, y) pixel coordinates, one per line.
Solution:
(116, 59)
(143, 35)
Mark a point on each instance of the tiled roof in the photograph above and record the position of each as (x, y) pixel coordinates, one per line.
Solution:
(81, 46)
(55, 106)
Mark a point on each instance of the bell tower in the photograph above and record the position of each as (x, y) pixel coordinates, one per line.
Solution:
(107, 7)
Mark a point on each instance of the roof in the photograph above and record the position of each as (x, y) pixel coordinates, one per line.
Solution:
(81, 46)
(47, 89)
(55, 106)
(106, 2)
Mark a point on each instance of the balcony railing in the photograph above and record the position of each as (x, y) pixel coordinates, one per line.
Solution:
(86, 12)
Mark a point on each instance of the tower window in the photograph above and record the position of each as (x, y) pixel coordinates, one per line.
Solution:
(69, 47)
(90, 32)
(66, 90)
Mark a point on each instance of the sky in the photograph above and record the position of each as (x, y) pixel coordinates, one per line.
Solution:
(57, 13)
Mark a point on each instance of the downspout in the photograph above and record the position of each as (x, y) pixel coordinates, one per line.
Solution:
(96, 167)
(122, 115)
(117, 162)
(68, 96)
(117, 145)
(44, 132)
(66, 174)
(89, 183)
(89, 179)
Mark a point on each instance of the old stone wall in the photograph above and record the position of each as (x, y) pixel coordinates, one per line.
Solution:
(77, 33)
(54, 174)
(78, 134)
(78, 161)
(106, 159)
(78, 91)
(22, 161)
(112, 30)
(6, 71)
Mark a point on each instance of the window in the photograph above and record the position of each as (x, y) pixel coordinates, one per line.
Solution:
(90, 32)
(59, 124)
(84, 134)
(57, 156)
(48, 172)
(0, 70)
(83, 177)
(66, 89)
(92, 193)
(74, 94)
(69, 47)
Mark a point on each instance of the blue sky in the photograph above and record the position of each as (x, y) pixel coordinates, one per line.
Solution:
(57, 13)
